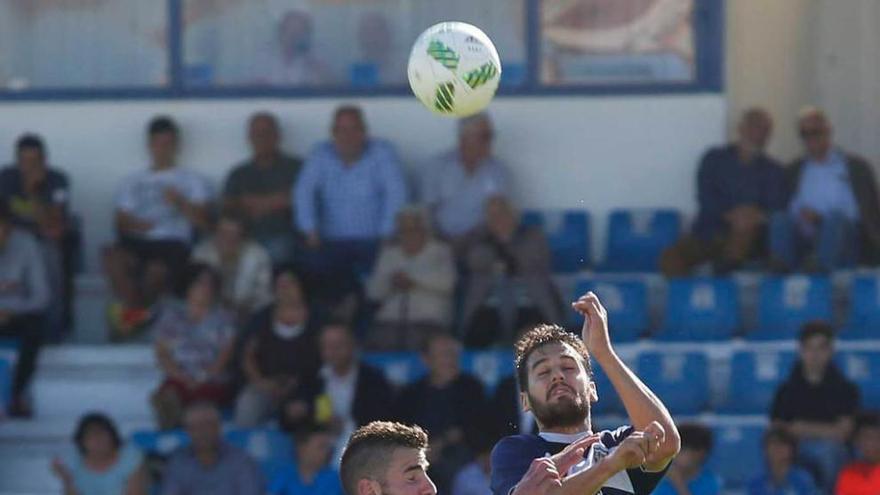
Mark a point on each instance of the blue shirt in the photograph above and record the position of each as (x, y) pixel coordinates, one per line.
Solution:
(234, 473)
(796, 482)
(706, 483)
(458, 197)
(357, 201)
(288, 482)
(512, 456)
(824, 187)
(724, 182)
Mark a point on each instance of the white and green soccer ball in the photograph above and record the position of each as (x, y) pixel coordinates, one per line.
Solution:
(454, 69)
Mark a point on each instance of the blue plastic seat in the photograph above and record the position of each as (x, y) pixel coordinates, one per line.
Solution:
(700, 310)
(401, 368)
(863, 320)
(272, 449)
(626, 302)
(161, 443)
(609, 402)
(786, 303)
(637, 238)
(863, 368)
(568, 235)
(490, 366)
(5, 384)
(736, 454)
(754, 378)
(680, 378)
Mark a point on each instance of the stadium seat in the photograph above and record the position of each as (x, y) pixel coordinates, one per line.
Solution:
(863, 368)
(626, 302)
(786, 303)
(568, 234)
(736, 454)
(636, 238)
(609, 402)
(680, 378)
(161, 443)
(700, 310)
(754, 377)
(489, 366)
(863, 320)
(5, 384)
(401, 368)
(271, 448)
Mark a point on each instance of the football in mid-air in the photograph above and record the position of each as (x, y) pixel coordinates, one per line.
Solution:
(454, 69)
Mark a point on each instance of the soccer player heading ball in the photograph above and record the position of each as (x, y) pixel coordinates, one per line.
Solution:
(566, 456)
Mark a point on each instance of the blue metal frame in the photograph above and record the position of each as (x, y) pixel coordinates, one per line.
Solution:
(709, 42)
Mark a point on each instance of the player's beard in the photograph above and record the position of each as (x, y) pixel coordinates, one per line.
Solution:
(565, 412)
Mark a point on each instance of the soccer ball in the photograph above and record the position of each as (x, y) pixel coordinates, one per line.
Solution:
(454, 69)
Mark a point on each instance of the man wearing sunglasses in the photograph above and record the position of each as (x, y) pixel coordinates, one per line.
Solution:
(833, 217)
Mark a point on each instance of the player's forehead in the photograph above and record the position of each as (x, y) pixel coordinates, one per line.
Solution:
(550, 352)
(404, 459)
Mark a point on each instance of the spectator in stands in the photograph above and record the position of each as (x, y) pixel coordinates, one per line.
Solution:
(38, 196)
(862, 477)
(413, 283)
(781, 476)
(244, 266)
(833, 215)
(378, 61)
(280, 358)
(447, 402)
(347, 198)
(688, 473)
(157, 212)
(817, 405)
(260, 186)
(312, 473)
(209, 465)
(102, 465)
(359, 393)
(24, 298)
(194, 345)
(510, 283)
(738, 187)
(296, 64)
(474, 478)
(457, 185)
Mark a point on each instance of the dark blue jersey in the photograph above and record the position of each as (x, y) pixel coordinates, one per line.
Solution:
(512, 456)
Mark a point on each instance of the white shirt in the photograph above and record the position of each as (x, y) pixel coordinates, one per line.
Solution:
(142, 195)
(252, 284)
(340, 389)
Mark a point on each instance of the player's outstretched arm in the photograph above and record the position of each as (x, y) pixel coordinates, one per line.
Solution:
(642, 406)
(632, 453)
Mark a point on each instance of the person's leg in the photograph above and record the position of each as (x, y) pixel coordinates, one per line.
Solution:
(167, 404)
(836, 243)
(282, 247)
(253, 407)
(679, 259)
(782, 241)
(826, 456)
(738, 247)
(120, 265)
(27, 329)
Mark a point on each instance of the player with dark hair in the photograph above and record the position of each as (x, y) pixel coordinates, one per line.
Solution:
(566, 457)
(386, 458)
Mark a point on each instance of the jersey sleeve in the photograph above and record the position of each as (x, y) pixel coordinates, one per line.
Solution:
(510, 462)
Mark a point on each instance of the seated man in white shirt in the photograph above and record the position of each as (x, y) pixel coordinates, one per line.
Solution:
(833, 217)
(457, 184)
(157, 212)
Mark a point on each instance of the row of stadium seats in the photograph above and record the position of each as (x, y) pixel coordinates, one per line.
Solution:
(684, 379)
(735, 455)
(634, 241)
(709, 309)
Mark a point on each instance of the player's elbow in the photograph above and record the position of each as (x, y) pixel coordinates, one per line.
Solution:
(671, 444)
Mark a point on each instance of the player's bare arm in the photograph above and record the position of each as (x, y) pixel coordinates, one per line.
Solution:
(642, 405)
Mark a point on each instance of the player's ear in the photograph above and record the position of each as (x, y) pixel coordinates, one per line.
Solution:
(592, 393)
(524, 402)
(368, 487)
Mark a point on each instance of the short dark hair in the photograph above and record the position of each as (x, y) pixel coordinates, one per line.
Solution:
(813, 328)
(232, 215)
(779, 434)
(304, 432)
(99, 420)
(193, 272)
(284, 268)
(30, 142)
(433, 336)
(161, 125)
(349, 109)
(695, 437)
(370, 448)
(865, 420)
(538, 337)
